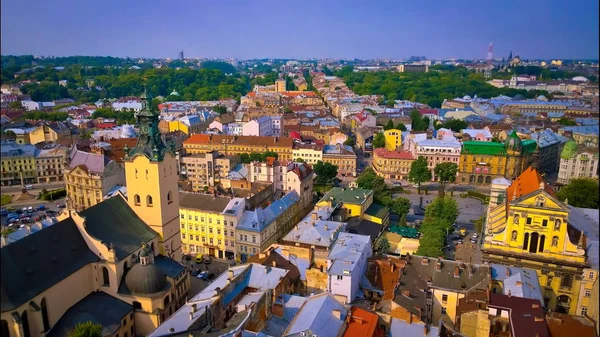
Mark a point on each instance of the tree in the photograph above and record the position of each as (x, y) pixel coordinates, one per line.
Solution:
(299, 160)
(419, 173)
(402, 221)
(434, 238)
(445, 173)
(350, 142)
(378, 141)
(455, 125)
(382, 245)
(401, 126)
(16, 105)
(582, 192)
(87, 329)
(9, 135)
(400, 206)
(220, 109)
(479, 224)
(326, 172)
(389, 125)
(566, 122)
(288, 110)
(445, 209)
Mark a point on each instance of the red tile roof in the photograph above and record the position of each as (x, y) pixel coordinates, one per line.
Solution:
(362, 323)
(397, 154)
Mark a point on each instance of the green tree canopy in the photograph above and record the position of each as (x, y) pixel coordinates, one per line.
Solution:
(445, 209)
(419, 173)
(400, 206)
(445, 173)
(220, 109)
(582, 192)
(382, 245)
(87, 329)
(455, 125)
(401, 126)
(326, 172)
(350, 142)
(566, 121)
(389, 125)
(378, 140)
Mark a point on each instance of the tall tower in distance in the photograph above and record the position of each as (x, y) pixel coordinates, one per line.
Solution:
(487, 73)
(180, 55)
(490, 54)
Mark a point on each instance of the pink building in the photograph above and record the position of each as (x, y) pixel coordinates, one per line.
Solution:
(436, 152)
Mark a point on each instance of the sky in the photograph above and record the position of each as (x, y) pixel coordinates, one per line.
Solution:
(391, 29)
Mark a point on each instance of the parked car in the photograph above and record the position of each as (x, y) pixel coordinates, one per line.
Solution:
(195, 272)
(30, 209)
(3, 212)
(203, 275)
(61, 206)
(211, 276)
(29, 187)
(199, 258)
(41, 207)
(207, 260)
(50, 212)
(187, 257)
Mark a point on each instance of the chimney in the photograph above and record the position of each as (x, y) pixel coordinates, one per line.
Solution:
(535, 306)
(406, 293)
(193, 308)
(425, 330)
(274, 264)
(313, 216)
(325, 227)
(471, 270)
(392, 266)
(277, 309)
(438, 266)
(230, 272)
(507, 272)
(358, 320)
(425, 261)
(509, 294)
(456, 272)
(191, 316)
(519, 283)
(267, 269)
(337, 314)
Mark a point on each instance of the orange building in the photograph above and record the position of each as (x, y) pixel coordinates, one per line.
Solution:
(235, 145)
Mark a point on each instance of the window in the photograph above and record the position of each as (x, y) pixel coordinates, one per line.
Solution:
(183, 235)
(588, 293)
(210, 240)
(149, 201)
(182, 217)
(219, 231)
(443, 310)
(444, 298)
(105, 278)
(529, 221)
(591, 276)
(340, 277)
(583, 311)
(136, 200)
(567, 281)
(545, 223)
(169, 197)
(210, 230)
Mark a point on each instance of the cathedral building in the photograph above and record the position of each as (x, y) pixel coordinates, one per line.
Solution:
(531, 228)
(114, 263)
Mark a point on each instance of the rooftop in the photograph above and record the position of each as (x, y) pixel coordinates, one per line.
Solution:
(346, 252)
(382, 275)
(569, 325)
(347, 195)
(586, 220)
(402, 328)
(317, 317)
(526, 315)
(396, 154)
(362, 323)
(240, 140)
(97, 307)
(203, 202)
(520, 282)
(314, 229)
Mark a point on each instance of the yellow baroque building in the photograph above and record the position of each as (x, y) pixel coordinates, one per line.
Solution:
(531, 229)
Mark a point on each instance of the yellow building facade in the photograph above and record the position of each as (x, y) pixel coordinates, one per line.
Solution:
(17, 161)
(531, 231)
(393, 139)
(482, 162)
(392, 164)
(355, 201)
(310, 154)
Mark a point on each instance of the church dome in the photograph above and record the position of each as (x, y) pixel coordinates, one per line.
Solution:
(174, 93)
(513, 142)
(145, 278)
(542, 98)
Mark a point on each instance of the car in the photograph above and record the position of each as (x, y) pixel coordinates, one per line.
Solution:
(199, 258)
(187, 257)
(29, 187)
(41, 207)
(61, 206)
(24, 210)
(207, 260)
(416, 185)
(211, 276)
(456, 238)
(195, 272)
(203, 275)
(3, 212)
(473, 240)
(18, 211)
(50, 212)
(30, 209)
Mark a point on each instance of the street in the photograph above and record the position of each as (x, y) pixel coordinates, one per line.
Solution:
(216, 266)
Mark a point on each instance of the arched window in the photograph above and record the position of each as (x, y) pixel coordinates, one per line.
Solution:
(146, 174)
(45, 319)
(542, 243)
(169, 197)
(525, 241)
(514, 236)
(516, 220)
(149, 201)
(557, 225)
(5, 332)
(137, 200)
(105, 278)
(25, 322)
(136, 174)
(555, 241)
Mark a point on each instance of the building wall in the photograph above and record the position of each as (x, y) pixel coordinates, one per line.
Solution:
(393, 139)
(202, 231)
(310, 155)
(391, 168)
(42, 134)
(156, 181)
(586, 289)
(85, 189)
(494, 167)
(12, 166)
(346, 288)
(346, 163)
(583, 165)
(593, 311)
(475, 324)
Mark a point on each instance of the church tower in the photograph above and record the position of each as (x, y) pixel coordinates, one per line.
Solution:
(151, 177)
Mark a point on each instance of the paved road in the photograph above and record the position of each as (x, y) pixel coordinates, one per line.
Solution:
(16, 189)
(217, 267)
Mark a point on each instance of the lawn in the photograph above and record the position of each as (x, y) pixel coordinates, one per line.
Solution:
(6, 199)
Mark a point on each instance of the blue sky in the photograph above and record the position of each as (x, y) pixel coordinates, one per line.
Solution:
(301, 29)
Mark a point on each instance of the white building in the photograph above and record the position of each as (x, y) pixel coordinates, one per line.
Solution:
(31, 105)
(577, 162)
(129, 103)
(436, 152)
(346, 265)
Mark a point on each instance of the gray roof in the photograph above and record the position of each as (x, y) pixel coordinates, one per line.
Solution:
(586, 220)
(316, 317)
(40, 260)
(204, 202)
(521, 282)
(417, 274)
(346, 252)
(94, 162)
(146, 279)
(168, 266)
(258, 219)
(12, 149)
(97, 307)
(275, 326)
(547, 138)
(112, 221)
(401, 328)
(314, 231)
